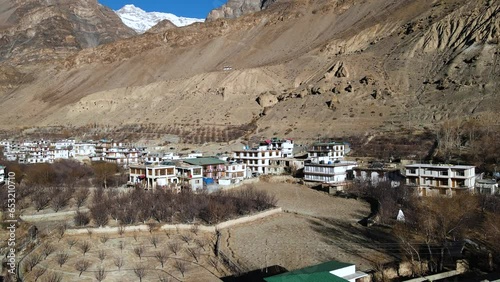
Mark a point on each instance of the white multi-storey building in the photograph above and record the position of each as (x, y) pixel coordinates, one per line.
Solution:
(153, 176)
(257, 159)
(331, 173)
(440, 179)
(84, 150)
(326, 152)
(190, 174)
(122, 156)
(236, 171)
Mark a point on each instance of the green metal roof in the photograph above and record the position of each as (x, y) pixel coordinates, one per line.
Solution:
(204, 161)
(315, 273)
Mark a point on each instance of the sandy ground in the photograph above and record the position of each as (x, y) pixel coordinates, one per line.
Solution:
(196, 271)
(316, 228)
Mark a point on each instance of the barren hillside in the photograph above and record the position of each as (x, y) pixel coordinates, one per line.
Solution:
(300, 68)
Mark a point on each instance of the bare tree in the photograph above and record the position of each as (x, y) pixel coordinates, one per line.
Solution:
(186, 238)
(121, 230)
(81, 196)
(154, 240)
(139, 251)
(102, 255)
(119, 262)
(121, 246)
(53, 277)
(62, 258)
(195, 228)
(214, 262)
(201, 243)
(33, 260)
(151, 226)
(194, 252)
(90, 232)
(81, 218)
(164, 278)
(140, 272)
(71, 243)
(100, 213)
(180, 266)
(47, 249)
(61, 229)
(39, 271)
(85, 247)
(82, 265)
(174, 247)
(104, 238)
(161, 257)
(100, 274)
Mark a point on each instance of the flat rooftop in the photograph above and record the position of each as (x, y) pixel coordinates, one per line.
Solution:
(437, 166)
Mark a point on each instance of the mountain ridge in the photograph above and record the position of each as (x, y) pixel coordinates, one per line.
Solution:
(141, 21)
(335, 68)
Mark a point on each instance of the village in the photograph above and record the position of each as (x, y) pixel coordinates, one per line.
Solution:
(322, 163)
(167, 197)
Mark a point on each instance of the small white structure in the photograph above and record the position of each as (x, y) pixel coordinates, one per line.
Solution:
(2, 174)
(486, 186)
(401, 216)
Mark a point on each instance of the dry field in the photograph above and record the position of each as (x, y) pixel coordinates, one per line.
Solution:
(201, 270)
(315, 228)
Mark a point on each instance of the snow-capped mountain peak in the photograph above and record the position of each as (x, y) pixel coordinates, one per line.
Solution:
(140, 20)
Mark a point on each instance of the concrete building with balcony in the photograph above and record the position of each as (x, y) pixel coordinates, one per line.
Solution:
(189, 175)
(237, 171)
(445, 180)
(213, 168)
(257, 159)
(326, 151)
(122, 156)
(153, 176)
(329, 173)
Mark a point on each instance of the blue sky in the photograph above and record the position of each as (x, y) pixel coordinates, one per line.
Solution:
(185, 8)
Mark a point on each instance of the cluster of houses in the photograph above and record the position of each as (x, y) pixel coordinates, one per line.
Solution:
(322, 163)
(46, 151)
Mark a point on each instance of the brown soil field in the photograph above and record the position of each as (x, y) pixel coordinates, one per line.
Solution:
(315, 228)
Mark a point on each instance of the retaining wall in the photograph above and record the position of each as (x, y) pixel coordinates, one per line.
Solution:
(209, 228)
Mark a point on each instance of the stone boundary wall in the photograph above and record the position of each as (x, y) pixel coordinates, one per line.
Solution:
(145, 228)
(244, 182)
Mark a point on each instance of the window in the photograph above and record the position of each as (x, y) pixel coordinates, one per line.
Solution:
(443, 173)
(412, 171)
(460, 173)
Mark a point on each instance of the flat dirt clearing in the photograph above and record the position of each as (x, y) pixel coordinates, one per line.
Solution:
(315, 228)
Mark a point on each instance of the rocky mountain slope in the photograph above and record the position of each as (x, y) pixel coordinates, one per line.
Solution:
(236, 8)
(47, 30)
(297, 68)
(140, 20)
